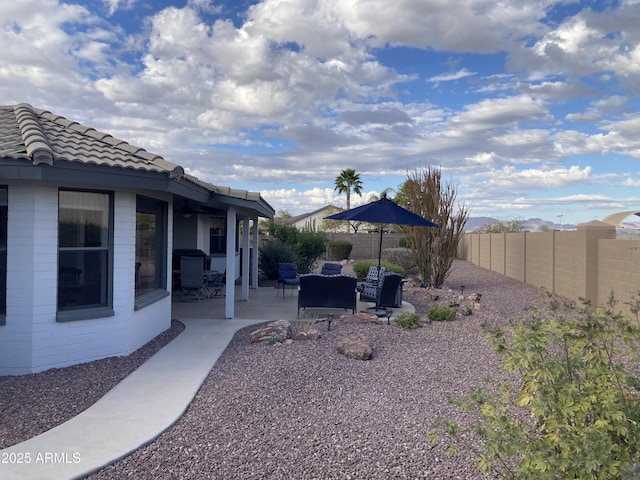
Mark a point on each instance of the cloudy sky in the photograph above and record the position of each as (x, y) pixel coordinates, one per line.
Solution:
(530, 107)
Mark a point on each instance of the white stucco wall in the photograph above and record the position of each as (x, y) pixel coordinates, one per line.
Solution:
(32, 340)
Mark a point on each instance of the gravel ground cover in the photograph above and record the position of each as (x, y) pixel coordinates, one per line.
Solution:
(32, 404)
(303, 411)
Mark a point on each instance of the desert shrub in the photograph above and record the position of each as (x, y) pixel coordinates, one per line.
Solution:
(580, 385)
(272, 252)
(402, 257)
(362, 268)
(309, 247)
(290, 245)
(408, 320)
(441, 313)
(404, 243)
(340, 249)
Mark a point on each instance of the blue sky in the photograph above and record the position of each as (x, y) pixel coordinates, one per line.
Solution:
(529, 107)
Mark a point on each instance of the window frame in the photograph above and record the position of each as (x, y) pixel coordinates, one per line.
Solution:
(85, 313)
(159, 208)
(4, 236)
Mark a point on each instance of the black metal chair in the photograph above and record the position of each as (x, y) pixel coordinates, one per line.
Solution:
(192, 279)
(287, 275)
(216, 283)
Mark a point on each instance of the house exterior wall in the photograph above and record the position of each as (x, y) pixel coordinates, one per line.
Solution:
(32, 340)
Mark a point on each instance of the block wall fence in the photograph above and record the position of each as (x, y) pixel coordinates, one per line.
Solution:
(366, 245)
(588, 262)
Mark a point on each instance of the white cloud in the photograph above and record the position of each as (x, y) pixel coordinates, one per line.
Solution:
(510, 178)
(447, 77)
(114, 5)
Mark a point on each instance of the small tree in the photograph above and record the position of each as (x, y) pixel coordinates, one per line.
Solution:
(434, 249)
(581, 387)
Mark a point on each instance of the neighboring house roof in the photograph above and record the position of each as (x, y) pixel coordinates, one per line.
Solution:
(35, 137)
(302, 217)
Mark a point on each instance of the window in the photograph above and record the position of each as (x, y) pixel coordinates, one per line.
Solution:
(218, 236)
(84, 247)
(3, 253)
(151, 247)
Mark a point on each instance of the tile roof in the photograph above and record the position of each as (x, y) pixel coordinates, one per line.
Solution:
(40, 137)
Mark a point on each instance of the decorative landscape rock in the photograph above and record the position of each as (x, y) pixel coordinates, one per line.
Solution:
(355, 346)
(465, 310)
(361, 318)
(273, 332)
(311, 334)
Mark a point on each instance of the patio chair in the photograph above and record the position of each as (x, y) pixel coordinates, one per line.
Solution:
(331, 269)
(192, 280)
(390, 288)
(287, 275)
(368, 288)
(216, 283)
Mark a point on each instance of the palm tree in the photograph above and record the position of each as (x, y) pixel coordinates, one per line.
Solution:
(346, 181)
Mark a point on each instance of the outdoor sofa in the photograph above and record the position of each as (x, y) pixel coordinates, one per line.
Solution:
(327, 291)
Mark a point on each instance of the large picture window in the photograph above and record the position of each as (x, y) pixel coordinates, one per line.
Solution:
(151, 246)
(3, 253)
(84, 246)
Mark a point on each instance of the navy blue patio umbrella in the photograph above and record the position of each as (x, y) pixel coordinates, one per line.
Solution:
(383, 211)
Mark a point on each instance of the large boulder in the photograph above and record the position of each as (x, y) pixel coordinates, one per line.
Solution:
(355, 346)
(273, 332)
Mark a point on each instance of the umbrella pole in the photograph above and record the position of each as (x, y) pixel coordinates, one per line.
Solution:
(379, 264)
(376, 310)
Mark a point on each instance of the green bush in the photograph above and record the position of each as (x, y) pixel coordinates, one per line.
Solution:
(441, 313)
(288, 244)
(340, 249)
(580, 385)
(310, 246)
(362, 268)
(408, 320)
(402, 257)
(273, 251)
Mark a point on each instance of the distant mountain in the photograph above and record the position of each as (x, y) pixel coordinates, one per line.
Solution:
(476, 223)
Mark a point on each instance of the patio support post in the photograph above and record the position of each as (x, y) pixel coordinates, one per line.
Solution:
(245, 259)
(254, 255)
(231, 264)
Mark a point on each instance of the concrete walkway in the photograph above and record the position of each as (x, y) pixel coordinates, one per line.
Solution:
(129, 416)
(150, 399)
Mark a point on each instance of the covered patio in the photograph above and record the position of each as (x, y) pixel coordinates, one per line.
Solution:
(263, 304)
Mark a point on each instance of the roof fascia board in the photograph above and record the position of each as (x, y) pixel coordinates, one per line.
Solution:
(245, 206)
(103, 176)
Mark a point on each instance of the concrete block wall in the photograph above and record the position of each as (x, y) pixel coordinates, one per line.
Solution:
(366, 245)
(515, 265)
(539, 260)
(618, 269)
(586, 263)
